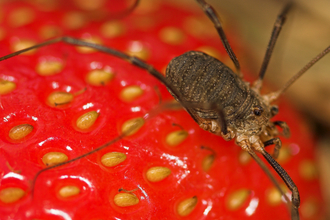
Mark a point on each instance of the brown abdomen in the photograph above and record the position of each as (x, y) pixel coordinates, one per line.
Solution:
(201, 78)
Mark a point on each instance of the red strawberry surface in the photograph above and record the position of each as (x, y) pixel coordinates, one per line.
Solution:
(53, 108)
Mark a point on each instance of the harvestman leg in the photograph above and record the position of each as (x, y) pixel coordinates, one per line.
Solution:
(278, 144)
(275, 33)
(212, 14)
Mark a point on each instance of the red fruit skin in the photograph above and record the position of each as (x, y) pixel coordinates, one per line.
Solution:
(55, 130)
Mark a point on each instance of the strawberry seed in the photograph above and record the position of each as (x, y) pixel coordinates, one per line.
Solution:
(126, 199)
(113, 159)
(187, 206)
(11, 194)
(68, 191)
(20, 131)
(87, 120)
(156, 174)
(53, 158)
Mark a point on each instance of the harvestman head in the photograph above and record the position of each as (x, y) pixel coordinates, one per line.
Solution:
(269, 98)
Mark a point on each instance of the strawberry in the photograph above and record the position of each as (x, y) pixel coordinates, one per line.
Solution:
(61, 101)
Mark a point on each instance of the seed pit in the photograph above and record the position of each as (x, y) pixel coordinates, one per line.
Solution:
(48, 31)
(69, 191)
(22, 44)
(244, 157)
(90, 39)
(20, 131)
(59, 98)
(132, 126)
(126, 199)
(156, 174)
(187, 206)
(87, 120)
(208, 162)
(53, 158)
(236, 199)
(20, 17)
(308, 170)
(130, 93)
(6, 87)
(49, 67)
(11, 194)
(176, 137)
(172, 35)
(113, 159)
(137, 49)
(74, 20)
(309, 208)
(274, 197)
(112, 29)
(99, 77)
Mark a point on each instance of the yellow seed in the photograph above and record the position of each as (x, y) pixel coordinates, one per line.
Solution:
(199, 27)
(308, 170)
(208, 162)
(53, 158)
(126, 199)
(48, 31)
(6, 87)
(20, 17)
(132, 126)
(137, 49)
(11, 194)
(146, 7)
(156, 174)
(90, 5)
(99, 77)
(236, 199)
(87, 120)
(274, 197)
(22, 44)
(113, 159)
(210, 51)
(244, 157)
(94, 40)
(59, 98)
(20, 131)
(130, 93)
(47, 68)
(176, 137)
(113, 29)
(285, 155)
(74, 20)
(172, 35)
(187, 206)
(68, 191)
(309, 209)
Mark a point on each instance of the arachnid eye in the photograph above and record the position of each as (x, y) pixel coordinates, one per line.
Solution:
(258, 111)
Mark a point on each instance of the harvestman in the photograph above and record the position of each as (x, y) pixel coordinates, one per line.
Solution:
(246, 121)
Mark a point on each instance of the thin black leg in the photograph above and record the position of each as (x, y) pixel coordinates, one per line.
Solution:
(295, 198)
(285, 128)
(275, 33)
(278, 145)
(212, 14)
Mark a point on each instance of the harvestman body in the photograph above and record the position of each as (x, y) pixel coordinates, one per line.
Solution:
(227, 107)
